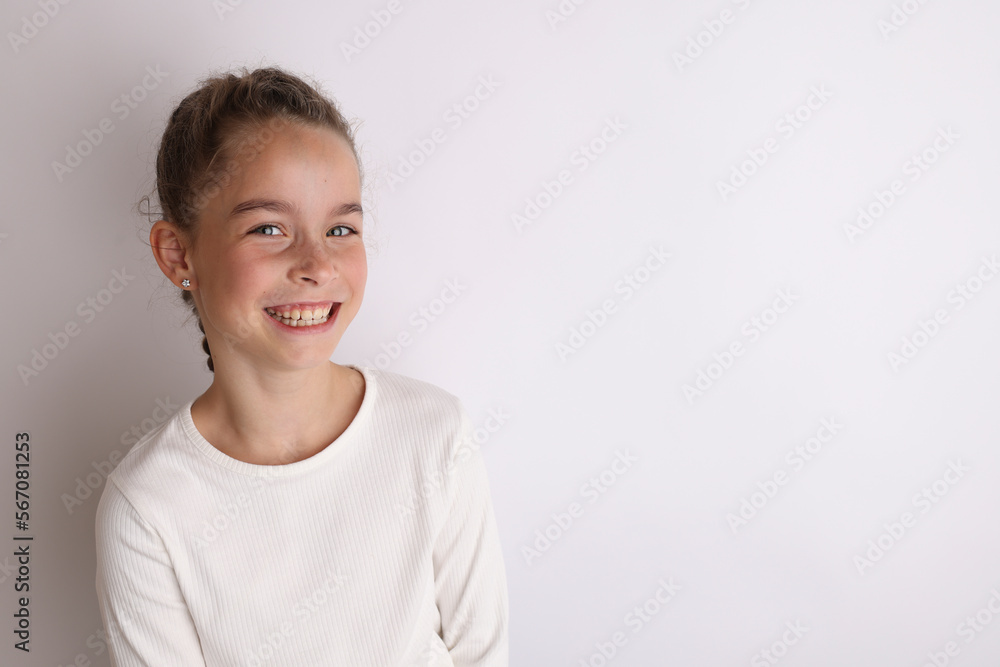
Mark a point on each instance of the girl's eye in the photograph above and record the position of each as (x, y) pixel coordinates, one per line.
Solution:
(349, 230)
(258, 230)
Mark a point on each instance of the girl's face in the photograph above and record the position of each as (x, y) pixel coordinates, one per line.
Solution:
(284, 236)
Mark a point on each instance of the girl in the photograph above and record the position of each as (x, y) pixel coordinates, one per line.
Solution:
(298, 512)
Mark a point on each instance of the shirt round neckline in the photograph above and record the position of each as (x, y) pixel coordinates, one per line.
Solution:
(328, 453)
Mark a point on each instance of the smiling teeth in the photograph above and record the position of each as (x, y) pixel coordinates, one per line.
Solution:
(295, 317)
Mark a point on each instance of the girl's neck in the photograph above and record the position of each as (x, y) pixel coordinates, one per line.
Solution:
(273, 427)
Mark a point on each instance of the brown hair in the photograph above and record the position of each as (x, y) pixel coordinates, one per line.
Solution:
(222, 126)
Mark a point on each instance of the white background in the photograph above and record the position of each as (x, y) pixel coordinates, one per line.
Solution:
(893, 76)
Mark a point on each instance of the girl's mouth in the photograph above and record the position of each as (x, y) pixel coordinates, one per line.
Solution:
(304, 317)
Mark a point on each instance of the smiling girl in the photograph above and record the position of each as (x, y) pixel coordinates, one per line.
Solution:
(298, 512)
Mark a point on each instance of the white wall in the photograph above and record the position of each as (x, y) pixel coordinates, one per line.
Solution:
(888, 95)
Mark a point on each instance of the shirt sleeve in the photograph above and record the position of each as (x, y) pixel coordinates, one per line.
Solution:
(145, 616)
(469, 573)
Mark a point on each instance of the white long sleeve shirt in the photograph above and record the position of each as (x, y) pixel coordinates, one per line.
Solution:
(382, 549)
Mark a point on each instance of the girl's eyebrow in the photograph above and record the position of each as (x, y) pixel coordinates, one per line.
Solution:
(282, 206)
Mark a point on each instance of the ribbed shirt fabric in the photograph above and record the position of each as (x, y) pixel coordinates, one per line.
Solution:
(382, 549)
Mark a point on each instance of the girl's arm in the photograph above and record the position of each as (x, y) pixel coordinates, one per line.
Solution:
(470, 579)
(145, 617)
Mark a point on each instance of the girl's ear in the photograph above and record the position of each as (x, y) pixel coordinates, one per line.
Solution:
(170, 251)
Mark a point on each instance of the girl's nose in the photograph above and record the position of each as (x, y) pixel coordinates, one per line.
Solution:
(314, 262)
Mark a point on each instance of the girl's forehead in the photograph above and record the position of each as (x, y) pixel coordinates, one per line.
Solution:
(307, 167)
(300, 135)
(319, 152)
(290, 183)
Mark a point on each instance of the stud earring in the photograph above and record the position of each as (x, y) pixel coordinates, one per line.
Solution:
(186, 283)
